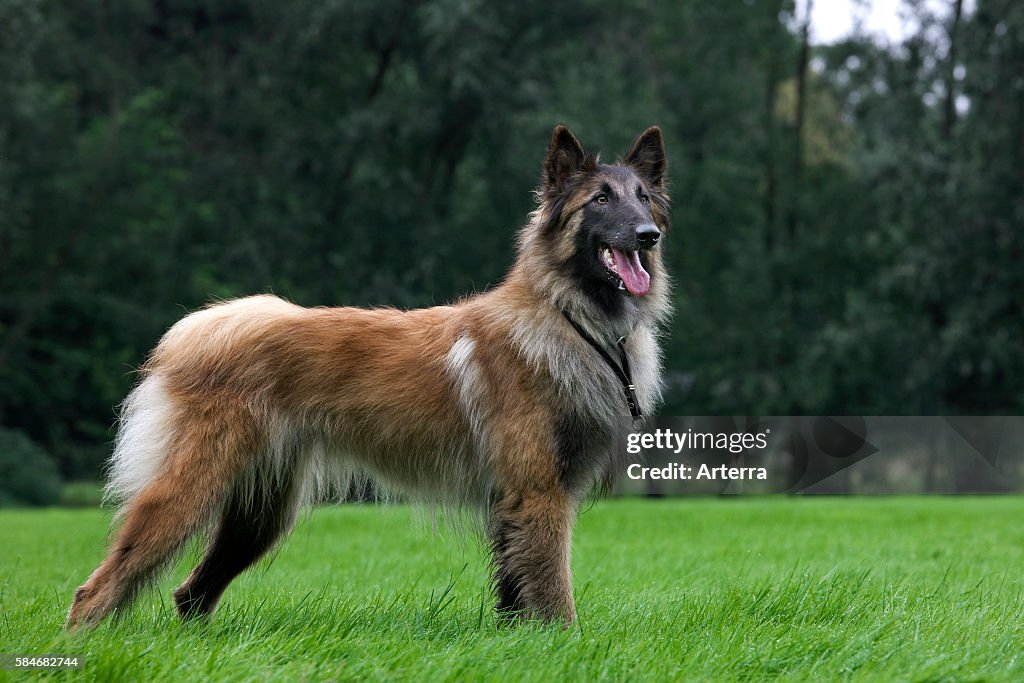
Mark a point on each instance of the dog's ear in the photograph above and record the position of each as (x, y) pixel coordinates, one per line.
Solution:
(648, 156)
(565, 157)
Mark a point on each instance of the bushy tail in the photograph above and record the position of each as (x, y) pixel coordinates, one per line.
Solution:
(144, 438)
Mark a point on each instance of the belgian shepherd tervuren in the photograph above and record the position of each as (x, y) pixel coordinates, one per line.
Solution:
(507, 402)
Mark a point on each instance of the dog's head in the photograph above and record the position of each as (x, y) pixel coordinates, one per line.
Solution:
(602, 224)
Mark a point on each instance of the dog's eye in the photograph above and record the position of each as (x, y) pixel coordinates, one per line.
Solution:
(601, 199)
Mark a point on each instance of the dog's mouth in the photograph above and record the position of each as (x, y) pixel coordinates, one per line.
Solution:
(625, 266)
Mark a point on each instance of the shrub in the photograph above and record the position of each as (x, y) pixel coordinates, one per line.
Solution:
(28, 475)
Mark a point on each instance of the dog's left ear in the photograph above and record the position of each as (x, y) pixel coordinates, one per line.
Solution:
(648, 156)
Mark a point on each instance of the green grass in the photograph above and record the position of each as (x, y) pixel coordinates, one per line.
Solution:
(908, 589)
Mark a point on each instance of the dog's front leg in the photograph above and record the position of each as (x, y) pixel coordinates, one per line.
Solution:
(531, 533)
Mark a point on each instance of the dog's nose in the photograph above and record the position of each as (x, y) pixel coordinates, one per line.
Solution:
(647, 235)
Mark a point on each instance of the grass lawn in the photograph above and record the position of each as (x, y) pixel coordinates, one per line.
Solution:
(923, 589)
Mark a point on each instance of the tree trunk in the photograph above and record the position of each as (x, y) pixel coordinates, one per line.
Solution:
(770, 198)
(799, 117)
(949, 110)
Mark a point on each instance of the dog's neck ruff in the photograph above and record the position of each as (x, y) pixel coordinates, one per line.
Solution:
(622, 372)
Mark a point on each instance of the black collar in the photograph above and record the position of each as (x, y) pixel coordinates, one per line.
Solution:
(623, 372)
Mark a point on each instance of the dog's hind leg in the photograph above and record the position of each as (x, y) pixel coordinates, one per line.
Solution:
(159, 519)
(251, 523)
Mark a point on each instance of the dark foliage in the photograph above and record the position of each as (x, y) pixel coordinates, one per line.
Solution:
(848, 227)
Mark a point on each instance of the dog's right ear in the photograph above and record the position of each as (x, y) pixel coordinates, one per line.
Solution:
(565, 157)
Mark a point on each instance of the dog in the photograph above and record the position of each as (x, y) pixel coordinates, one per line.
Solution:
(507, 402)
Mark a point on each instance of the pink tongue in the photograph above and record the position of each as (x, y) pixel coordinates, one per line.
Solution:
(633, 275)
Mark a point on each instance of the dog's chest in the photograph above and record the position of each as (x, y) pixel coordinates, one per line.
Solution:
(593, 415)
